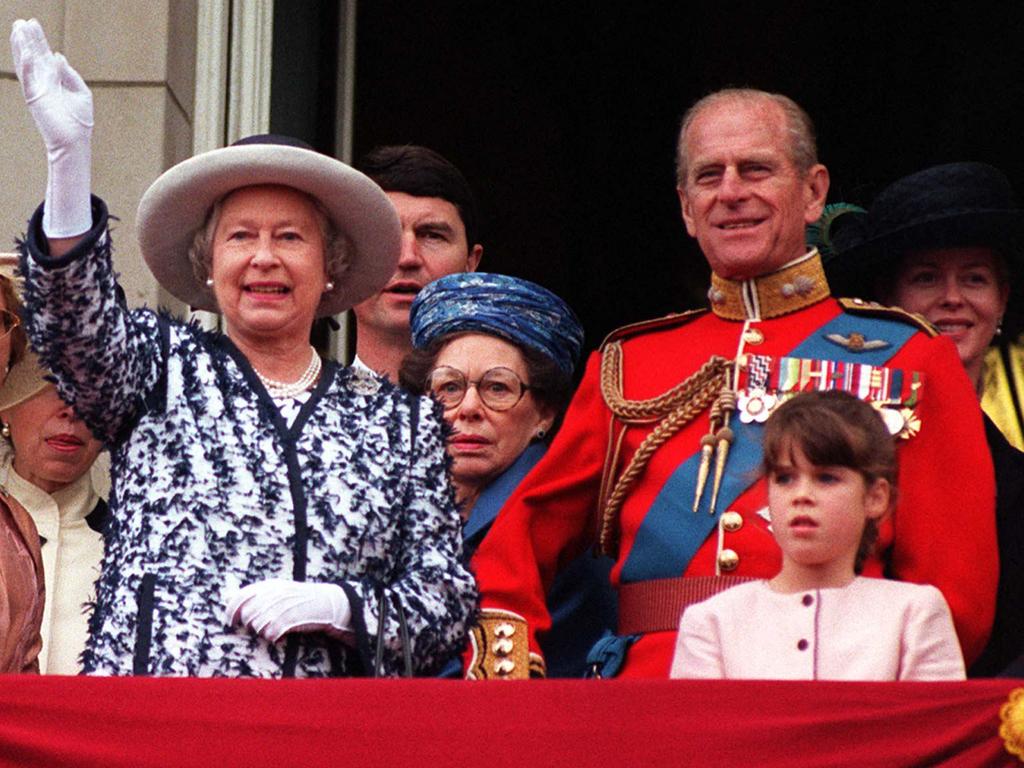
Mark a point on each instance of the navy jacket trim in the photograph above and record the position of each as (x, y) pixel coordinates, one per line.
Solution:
(359, 628)
(39, 245)
(97, 519)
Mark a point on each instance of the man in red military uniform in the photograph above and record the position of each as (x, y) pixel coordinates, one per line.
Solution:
(660, 450)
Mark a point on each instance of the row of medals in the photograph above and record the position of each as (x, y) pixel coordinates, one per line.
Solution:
(756, 405)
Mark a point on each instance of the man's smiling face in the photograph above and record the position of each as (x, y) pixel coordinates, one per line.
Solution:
(743, 198)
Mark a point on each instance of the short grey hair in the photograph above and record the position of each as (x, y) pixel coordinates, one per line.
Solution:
(803, 146)
(337, 246)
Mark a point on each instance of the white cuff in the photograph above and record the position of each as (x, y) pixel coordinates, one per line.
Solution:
(67, 211)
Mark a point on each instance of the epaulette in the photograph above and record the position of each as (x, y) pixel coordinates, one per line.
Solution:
(873, 308)
(656, 324)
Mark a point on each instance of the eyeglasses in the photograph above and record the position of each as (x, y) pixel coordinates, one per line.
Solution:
(499, 388)
(8, 322)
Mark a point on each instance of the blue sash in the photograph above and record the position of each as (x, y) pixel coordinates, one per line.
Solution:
(672, 532)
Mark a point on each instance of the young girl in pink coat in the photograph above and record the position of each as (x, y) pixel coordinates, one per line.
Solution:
(831, 469)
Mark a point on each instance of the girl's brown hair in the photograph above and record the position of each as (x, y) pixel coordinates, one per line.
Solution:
(834, 429)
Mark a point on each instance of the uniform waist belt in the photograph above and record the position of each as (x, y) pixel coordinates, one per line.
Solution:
(657, 604)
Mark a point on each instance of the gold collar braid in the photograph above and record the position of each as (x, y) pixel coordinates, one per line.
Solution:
(799, 284)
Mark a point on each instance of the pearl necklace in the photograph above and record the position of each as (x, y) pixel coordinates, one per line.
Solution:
(279, 390)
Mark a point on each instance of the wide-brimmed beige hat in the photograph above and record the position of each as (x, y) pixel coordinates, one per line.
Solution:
(177, 203)
(24, 380)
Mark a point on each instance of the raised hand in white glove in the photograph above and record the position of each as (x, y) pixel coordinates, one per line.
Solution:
(61, 106)
(274, 607)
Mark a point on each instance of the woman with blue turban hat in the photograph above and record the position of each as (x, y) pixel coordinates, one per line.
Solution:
(522, 312)
(498, 353)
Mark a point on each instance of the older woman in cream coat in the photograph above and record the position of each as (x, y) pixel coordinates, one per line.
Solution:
(47, 453)
(21, 567)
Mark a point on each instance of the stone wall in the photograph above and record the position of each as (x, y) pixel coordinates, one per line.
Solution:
(138, 56)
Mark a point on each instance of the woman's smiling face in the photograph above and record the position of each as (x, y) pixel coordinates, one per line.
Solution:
(268, 262)
(959, 290)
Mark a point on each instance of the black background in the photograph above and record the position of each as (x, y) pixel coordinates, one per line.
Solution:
(564, 116)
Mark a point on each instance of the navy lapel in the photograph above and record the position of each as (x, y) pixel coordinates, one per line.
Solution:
(494, 496)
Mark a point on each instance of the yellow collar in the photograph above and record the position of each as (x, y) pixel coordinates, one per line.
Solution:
(798, 284)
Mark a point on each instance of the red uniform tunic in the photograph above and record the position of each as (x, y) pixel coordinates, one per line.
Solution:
(942, 531)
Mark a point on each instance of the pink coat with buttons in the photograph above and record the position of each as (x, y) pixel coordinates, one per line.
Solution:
(871, 629)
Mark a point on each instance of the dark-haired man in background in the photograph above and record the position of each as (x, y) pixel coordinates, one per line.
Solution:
(439, 237)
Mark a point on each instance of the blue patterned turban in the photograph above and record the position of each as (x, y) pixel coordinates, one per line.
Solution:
(513, 309)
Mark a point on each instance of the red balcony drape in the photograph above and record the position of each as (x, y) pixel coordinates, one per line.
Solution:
(142, 722)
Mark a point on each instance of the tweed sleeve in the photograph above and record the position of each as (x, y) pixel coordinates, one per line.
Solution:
(436, 591)
(106, 359)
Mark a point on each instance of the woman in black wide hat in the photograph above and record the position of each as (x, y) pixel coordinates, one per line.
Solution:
(943, 243)
(943, 222)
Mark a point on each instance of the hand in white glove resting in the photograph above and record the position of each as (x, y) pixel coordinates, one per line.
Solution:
(274, 607)
(61, 106)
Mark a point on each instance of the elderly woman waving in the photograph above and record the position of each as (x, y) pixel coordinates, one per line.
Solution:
(271, 514)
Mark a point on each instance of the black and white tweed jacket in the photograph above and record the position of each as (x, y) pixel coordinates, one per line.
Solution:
(211, 490)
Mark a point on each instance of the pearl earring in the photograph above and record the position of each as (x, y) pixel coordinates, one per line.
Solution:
(999, 326)
(5, 430)
(209, 282)
(328, 286)
(541, 434)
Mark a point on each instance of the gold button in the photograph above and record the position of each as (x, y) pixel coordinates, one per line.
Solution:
(504, 630)
(502, 646)
(728, 560)
(732, 521)
(504, 666)
(753, 336)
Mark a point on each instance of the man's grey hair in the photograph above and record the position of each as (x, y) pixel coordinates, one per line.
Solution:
(336, 245)
(803, 147)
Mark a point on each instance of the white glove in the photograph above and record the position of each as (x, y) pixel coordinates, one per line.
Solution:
(61, 105)
(275, 607)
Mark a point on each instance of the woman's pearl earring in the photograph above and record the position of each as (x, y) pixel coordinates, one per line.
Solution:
(5, 430)
(209, 282)
(328, 286)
